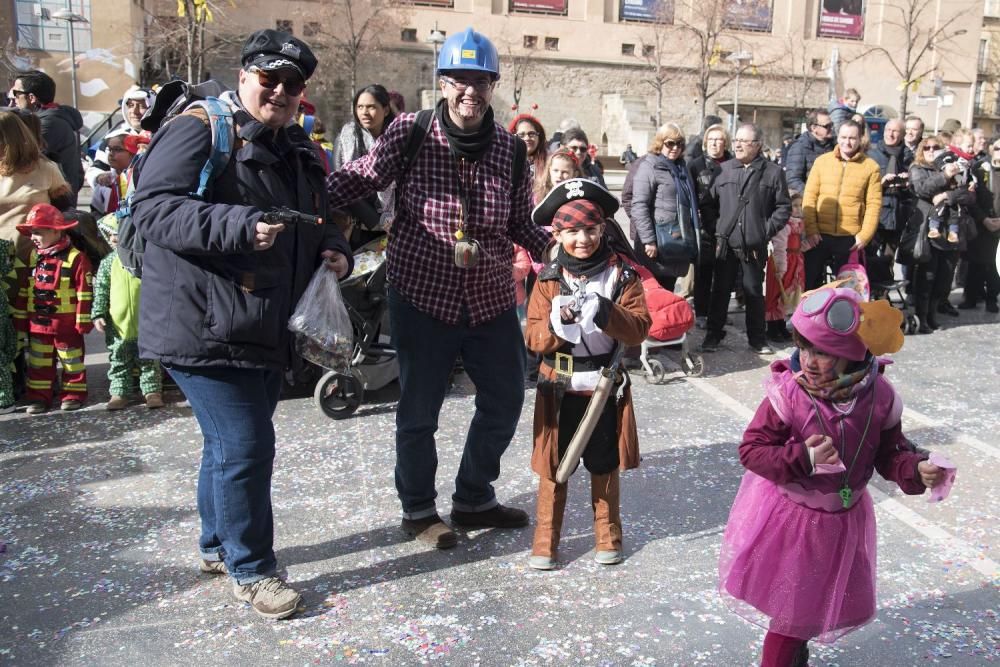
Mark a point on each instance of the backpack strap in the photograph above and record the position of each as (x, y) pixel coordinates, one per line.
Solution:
(415, 139)
(220, 121)
(517, 169)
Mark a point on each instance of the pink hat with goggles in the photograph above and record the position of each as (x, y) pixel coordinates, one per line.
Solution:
(838, 321)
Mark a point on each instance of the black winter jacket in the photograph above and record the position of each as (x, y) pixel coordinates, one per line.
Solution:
(209, 299)
(768, 207)
(60, 130)
(898, 201)
(704, 171)
(799, 160)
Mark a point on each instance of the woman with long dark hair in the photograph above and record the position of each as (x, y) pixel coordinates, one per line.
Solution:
(373, 113)
(531, 132)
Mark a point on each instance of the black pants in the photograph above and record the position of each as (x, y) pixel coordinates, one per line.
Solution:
(601, 454)
(933, 278)
(832, 251)
(704, 276)
(753, 294)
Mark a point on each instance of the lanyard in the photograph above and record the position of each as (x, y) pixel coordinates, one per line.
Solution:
(845, 490)
(463, 195)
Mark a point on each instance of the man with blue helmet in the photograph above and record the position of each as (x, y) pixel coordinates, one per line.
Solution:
(459, 206)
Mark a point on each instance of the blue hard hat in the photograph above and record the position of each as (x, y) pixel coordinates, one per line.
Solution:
(469, 50)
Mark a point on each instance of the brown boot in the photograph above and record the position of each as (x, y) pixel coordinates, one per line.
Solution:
(604, 494)
(548, 524)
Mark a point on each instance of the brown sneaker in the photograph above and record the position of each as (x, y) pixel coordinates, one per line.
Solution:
(116, 403)
(37, 409)
(271, 597)
(495, 517)
(154, 400)
(213, 567)
(933, 234)
(952, 237)
(71, 404)
(430, 530)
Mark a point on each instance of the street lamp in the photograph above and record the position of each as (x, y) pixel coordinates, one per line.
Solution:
(741, 59)
(69, 17)
(436, 40)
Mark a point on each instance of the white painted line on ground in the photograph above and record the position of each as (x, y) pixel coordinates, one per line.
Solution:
(986, 566)
(893, 507)
(909, 414)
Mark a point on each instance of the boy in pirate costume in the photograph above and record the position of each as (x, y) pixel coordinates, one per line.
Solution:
(53, 307)
(587, 301)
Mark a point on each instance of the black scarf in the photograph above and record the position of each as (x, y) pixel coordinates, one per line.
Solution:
(895, 154)
(466, 144)
(589, 266)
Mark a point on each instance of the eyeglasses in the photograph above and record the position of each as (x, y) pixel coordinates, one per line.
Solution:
(842, 313)
(745, 141)
(577, 149)
(480, 85)
(17, 93)
(934, 148)
(670, 144)
(117, 149)
(528, 135)
(828, 126)
(292, 85)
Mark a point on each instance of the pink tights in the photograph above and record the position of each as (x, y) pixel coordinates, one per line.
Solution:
(781, 651)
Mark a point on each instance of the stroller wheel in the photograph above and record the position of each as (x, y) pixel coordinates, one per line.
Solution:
(337, 395)
(656, 372)
(910, 324)
(693, 364)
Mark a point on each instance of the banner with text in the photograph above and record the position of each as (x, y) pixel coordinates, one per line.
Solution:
(661, 11)
(548, 6)
(752, 15)
(844, 19)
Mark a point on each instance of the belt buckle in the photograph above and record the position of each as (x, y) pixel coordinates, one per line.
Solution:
(564, 364)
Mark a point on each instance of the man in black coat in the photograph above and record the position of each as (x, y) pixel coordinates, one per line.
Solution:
(221, 276)
(35, 91)
(815, 141)
(753, 207)
(894, 161)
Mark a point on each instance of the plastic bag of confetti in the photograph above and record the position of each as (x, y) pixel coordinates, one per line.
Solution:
(322, 327)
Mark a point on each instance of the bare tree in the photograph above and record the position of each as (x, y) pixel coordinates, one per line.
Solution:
(355, 30)
(921, 37)
(711, 39)
(800, 74)
(655, 43)
(180, 45)
(518, 62)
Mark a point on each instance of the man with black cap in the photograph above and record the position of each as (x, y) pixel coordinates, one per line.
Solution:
(451, 287)
(220, 279)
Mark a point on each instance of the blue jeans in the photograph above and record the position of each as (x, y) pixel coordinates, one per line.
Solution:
(493, 356)
(234, 407)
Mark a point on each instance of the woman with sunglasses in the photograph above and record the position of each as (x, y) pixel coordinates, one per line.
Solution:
(938, 193)
(663, 203)
(529, 129)
(798, 556)
(982, 282)
(372, 110)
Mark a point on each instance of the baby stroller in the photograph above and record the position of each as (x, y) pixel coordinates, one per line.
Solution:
(374, 363)
(672, 319)
(885, 286)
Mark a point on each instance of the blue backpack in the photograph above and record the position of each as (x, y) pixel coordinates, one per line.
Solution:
(131, 244)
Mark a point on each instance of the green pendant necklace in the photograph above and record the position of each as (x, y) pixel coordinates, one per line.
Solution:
(845, 493)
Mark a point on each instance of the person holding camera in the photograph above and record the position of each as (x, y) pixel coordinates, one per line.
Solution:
(220, 278)
(753, 207)
(894, 162)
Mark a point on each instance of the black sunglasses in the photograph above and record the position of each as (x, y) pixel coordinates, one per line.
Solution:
(293, 85)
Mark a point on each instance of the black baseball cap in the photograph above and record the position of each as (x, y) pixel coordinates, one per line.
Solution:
(272, 49)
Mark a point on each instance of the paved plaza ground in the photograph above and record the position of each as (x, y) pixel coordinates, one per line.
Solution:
(97, 513)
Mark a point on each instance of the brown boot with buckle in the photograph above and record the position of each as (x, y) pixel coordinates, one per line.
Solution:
(548, 524)
(604, 494)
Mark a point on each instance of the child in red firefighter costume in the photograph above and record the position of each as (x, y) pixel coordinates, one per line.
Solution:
(798, 554)
(585, 302)
(53, 307)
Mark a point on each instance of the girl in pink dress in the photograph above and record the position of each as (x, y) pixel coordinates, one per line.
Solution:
(798, 555)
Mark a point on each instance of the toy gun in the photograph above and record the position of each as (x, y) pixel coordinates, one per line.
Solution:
(287, 216)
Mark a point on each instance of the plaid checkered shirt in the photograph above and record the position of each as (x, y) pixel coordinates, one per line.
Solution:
(421, 251)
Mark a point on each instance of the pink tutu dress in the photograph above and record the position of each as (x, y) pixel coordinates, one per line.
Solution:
(798, 554)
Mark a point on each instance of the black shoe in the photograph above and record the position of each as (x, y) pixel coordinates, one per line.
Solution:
(991, 307)
(495, 517)
(967, 305)
(712, 342)
(924, 329)
(430, 530)
(762, 348)
(945, 308)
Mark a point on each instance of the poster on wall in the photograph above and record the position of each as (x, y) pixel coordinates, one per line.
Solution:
(648, 10)
(844, 19)
(548, 6)
(752, 15)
